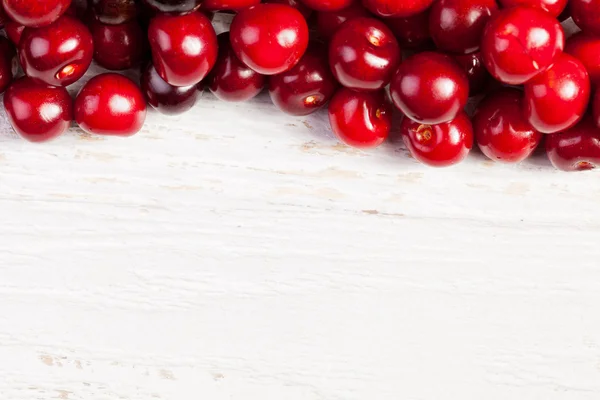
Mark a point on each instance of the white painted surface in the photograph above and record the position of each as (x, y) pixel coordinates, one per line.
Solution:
(237, 253)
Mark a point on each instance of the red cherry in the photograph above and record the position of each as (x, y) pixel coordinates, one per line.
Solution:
(220, 5)
(35, 13)
(36, 111)
(396, 8)
(7, 63)
(586, 49)
(110, 104)
(305, 88)
(14, 31)
(364, 54)
(230, 79)
(3, 17)
(167, 99)
(118, 47)
(114, 12)
(557, 98)
(173, 6)
(184, 47)
(361, 119)
(479, 77)
(297, 4)
(57, 54)
(269, 38)
(519, 43)
(328, 22)
(328, 5)
(502, 132)
(552, 7)
(411, 32)
(439, 145)
(456, 25)
(596, 108)
(586, 14)
(430, 88)
(576, 149)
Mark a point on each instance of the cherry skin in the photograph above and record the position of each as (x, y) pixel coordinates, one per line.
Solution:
(114, 12)
(184, 47)
(501, 130)
(230, 79)
(586, 14)
(14, 31)
(596, 108)
(456, 25)
(110, 104)
(430, 88)
(328, 22)
(7, 63)
(439, 145)
(557, 98)
(576, 149)
(165, 98)
(411, 32)
(297, 4)
(328, 5)
(364, 54)
(269, 38)
(519, 43)
(3, 17)
(221, 5)
(396, 8)
(36, 111)
(57, 54)
(305, 88)
(361, 119)
(33, 13)
(552, 7)
(479, 78)
(173, 6)
(586, 49)
(118, 47)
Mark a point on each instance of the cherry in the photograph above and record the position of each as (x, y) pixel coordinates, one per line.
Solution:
(14, 31)
(305, 88)
(586, 14)
(364, 54)
(396, 8)
(412, 31)
(552, 7)
(3, 17)
(7, 59)
(502, 132)
(456, 25)
(57, 54)
(479, 77)
(439, 145)
(596, 108)
(118, 47)
(430, 88)
(328, 22)
(297, 4)
(361, 119)
(167, 99)
(230, 79)
(519, 43)
(269, 38)
(34, 13)
(220, 5)
(36, 111)
(173, 6)
(110, 104)
(557, 98)
(114, 12)
(576, 149)
(586, 49)
(328, 5)
(184, 47)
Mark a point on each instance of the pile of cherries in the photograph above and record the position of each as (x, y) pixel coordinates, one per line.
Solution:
(364, 58)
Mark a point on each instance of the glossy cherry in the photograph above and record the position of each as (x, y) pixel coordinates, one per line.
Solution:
(397, 8)
(328, 5)
(430, 88)
(586, 14)
(576, 149)
(7, 63)
(35, 13)
(118, 47)
(501, 130)
(456, 25)
(269, 38)
(479, 78)
(184, 47)
(297, 4)
(305, 88)
(328, 22)
(173, 6)
(57, 54)
(36, 111)
(165, 98)
(235, 5)
(586, 48)
(557, 98)
(14, 31)
(361, 119)
(115, 12)
(110, 104)
(411, 32)
(364, 54)
(230, 79)
(519, 43)
(439, 145)
(552, 7)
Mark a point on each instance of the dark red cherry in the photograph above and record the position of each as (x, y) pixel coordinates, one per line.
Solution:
(57, 54)
(110, 104)
(7, 63)
(397, 8)
(269, 38)
(411, 32)
(456, 25)
(576, 149)
(596, 108)
(479, 78)
(3, 17)
(230, 79)
(328, 22)
(297, 4)
(586, 14)
(552, 7)
(361, 119)
(518, 43)
(364, 54)
(233, 5)
(173, 6)
(114, 12)
(167, 99)
(586, 48)
(557, 98)
(328, 5)
(430, 88)
(439, 145)
(184, 47)
(501, 130)
(305, 88)
(14, 31)
(35, 13)
(36, 111)
(118, 47)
